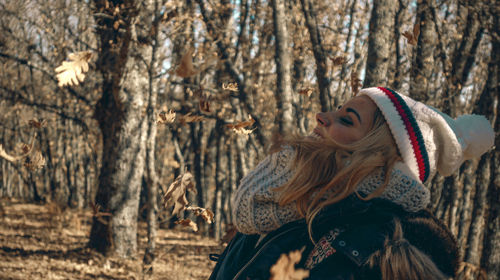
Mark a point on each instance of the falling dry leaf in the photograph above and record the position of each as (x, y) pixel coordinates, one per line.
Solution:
(338, 60)
(230, 87)
(206, 214)
(185, 68)
(204, 97)
(176, 192)
(26, 150)
(307, 92)
(188, 118)
(355, 83)
(35, 161)
(37, 123)
(72, 72)
(229, 234)
(242, 124)
(284, 268)
(166, 117)
(239, 128)
(188, 223)
(412, 37)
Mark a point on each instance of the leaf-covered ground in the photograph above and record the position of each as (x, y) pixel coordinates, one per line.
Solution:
(44, 242)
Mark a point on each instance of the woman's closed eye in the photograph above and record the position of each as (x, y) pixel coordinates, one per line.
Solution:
(346, 121)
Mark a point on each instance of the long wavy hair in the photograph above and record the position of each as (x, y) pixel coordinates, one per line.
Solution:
(327, 171)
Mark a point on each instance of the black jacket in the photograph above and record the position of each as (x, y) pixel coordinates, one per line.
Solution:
(346, 234)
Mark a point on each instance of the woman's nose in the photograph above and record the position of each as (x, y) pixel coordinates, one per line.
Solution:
(322, 119)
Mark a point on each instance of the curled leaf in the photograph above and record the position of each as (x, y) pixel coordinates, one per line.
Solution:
(412, 37)
(166, 117)
(284, 268)
(204, 100)
(338, 60)
(230, 87)
(186, 68)
(37, 123)
(230, 232)
(72, 72)
(176, 192)
(239, 128)
(355, 83)
(188, 223)
(188, 118)
(206, 214)
(307, 92)
(26, 150)
(35, 162)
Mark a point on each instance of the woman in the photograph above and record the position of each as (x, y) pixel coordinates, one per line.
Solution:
(352, 194)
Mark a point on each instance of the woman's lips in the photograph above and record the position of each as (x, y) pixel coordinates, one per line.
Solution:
(316, 133)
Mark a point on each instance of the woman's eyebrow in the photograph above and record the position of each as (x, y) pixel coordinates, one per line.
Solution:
(354, 112)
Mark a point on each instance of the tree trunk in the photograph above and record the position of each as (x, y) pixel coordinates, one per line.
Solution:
(121, 116)
(489, 102)
(379, 50)
(283, 63)
(319, 55)
(423, 64)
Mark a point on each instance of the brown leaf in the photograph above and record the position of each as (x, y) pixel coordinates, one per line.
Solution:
(284, 268)
(204, 98)
(307, 92)
(230, 87)
(25, 148)
(176, 192)
(229, 234)
(37, 123)
(409, 36)
(188, 118)
(355, 83)
(35, 161)
(166, 117)
(188, 223)
(239, 128)
(416, 31)
(186, 68)
(206, 214)
(338, 60)
(242, 124)
(72, 72)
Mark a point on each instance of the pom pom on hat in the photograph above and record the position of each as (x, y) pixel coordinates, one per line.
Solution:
(428, 139)
(476, 133)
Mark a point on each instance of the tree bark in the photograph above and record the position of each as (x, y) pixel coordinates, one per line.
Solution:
(120, 113)
(489, 104)
(319, 55)
(283, 63)
(423, 64)
(379, 50)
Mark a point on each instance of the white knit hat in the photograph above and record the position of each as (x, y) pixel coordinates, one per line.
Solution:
(427, 139)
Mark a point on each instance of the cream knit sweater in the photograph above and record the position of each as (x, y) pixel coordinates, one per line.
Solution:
(255, 207)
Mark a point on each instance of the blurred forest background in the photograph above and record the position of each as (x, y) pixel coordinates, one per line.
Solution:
(169, 87)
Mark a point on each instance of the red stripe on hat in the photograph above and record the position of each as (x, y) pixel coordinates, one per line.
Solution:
(410, 130)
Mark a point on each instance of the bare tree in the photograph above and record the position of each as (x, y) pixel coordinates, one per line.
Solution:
(124, 32)
(380, 34)
(283, 64)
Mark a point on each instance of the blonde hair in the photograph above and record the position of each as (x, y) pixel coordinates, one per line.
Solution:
(399, 259)
(326, 166)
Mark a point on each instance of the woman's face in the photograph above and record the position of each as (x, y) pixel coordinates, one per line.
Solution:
(349, 123)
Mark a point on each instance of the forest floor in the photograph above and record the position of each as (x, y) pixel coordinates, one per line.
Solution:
(44, 242)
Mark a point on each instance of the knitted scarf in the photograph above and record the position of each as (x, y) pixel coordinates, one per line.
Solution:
(255, 207)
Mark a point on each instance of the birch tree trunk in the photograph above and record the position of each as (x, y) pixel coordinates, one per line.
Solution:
(283, 63)
(121, 116)
(379, 50)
